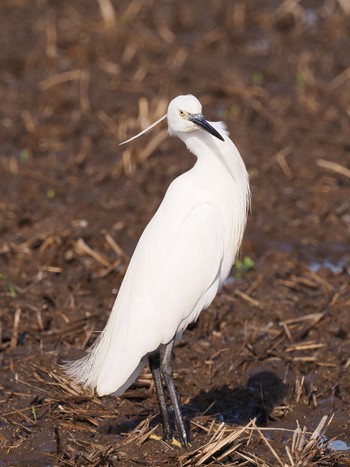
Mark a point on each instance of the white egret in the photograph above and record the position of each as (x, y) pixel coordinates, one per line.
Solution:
(181, 260)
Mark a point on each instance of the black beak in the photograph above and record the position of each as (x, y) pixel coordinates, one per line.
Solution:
(199, 120)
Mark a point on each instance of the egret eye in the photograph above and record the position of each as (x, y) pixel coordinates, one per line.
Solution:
(181, 113)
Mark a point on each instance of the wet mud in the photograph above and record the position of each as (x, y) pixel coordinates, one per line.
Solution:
(264, 373)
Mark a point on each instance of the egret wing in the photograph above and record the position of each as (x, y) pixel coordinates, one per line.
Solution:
(189, 271)
(169, 281)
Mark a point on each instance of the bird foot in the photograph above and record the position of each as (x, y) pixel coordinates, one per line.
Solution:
(172, 441)
(181, 444)
(176, 443)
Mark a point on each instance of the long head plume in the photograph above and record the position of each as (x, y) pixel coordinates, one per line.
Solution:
(145, 130)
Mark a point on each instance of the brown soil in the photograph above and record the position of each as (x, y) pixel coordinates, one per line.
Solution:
(275, 344)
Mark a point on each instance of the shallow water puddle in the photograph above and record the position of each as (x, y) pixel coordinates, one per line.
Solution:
(342, 265)
(338, 445)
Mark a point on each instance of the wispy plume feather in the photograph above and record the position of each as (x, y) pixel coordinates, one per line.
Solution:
(145, 130)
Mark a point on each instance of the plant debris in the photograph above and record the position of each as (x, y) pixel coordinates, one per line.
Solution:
(264, 372)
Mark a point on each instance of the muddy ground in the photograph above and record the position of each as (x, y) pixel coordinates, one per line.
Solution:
(76, 78)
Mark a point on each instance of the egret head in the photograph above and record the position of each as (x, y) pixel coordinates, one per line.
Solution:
(185, 115)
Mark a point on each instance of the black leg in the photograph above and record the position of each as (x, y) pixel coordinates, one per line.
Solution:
(154, 364)
(167, 373)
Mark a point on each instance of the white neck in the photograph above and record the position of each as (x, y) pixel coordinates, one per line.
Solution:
(221, 155)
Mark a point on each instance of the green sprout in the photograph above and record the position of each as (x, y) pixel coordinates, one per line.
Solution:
(51, 194)
(244, 266)
(257, 77)
(253, 172)
(300, 79)
(24, 155)
(34, 413)
(11, 290)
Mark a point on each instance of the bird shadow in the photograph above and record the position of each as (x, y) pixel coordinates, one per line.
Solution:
(263, 391)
